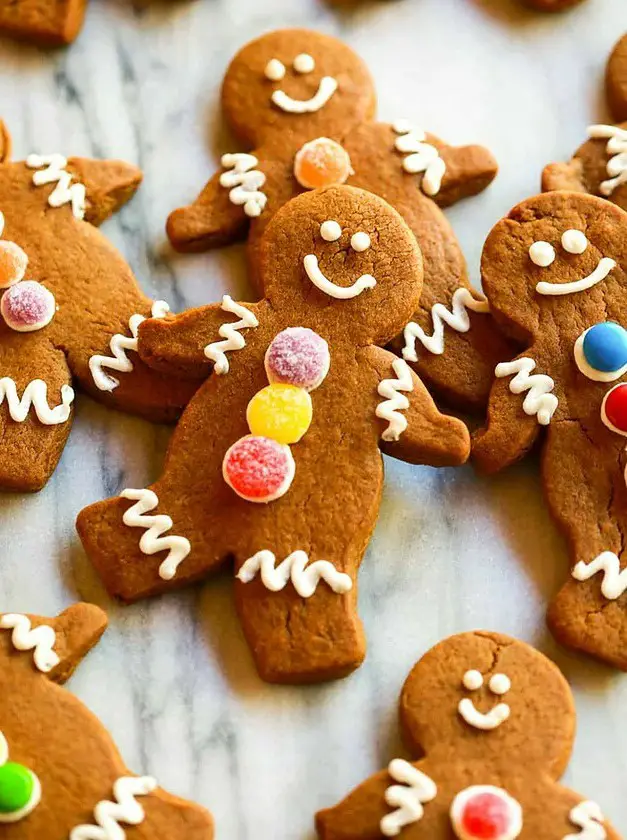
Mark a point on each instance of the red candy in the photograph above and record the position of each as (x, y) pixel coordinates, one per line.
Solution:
(298, 356)
(614, 409)
(258, 469)
(484, 812)
(27, 306)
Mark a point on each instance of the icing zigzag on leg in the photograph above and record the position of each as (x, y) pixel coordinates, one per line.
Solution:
(304, 578)
(36, 396)
(457, 319)
(614, 581)
(126, 809)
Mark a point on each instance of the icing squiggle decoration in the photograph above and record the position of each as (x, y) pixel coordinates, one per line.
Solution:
(588, 817)
(617, 149)
(65, 191)
(244, 183)
(614, 581)
(327, 87)
(152, 541)
(36, 396)
(42, 640)
(395, 402)
(408, 797)
(119, 344)
(421, 156)
(490, 720)
(305, 578)
(217, 350)
(366, 281)
(539, 400)
(126, 809)
(457, 319)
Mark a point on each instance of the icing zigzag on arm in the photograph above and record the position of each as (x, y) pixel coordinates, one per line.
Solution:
(305, 578)
(42, 640)
(217, 350)
(126, 809)
(65, 191)
(539, 400)
(589, 818)
(614, 581)
(244, 182)
(36, 396)
(395, 402)
(408, 797)
(457, 319)
(617, 150)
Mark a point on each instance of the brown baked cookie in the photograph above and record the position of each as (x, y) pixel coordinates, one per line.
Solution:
(47, 22)
(555, 270)
(305, 103)
(70, 310)
(494, 721)
(61, 776)
(599, 166)
(286, 477)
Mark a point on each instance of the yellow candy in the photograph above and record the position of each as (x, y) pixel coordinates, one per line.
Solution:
(281, 412)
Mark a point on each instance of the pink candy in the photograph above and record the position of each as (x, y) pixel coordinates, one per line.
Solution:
(258, 469)
(27, 306)
(298, 356)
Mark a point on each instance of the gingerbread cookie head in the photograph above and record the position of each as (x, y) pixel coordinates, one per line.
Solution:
(332, 257)
(298, 82)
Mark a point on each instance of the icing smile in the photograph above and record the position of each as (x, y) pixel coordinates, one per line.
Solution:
(366, 281)
(573, 241)
(499, 684)
(326, 89)
(606, 264)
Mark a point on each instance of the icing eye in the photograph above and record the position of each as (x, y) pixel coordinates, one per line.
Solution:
(360, 241)
(304, 63)
(574, 241)
(499, 684)
(275, 70)
(472, 680)
(542, 253)
(330, 231)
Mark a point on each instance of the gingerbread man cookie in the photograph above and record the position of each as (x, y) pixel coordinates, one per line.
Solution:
(495, 721)
(305, 103)
(70, 310)
(599, 166)
(276, 462)
(555, 270)
(47, 22)
(61, 776)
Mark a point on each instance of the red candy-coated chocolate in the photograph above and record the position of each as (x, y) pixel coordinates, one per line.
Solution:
(614, 410)
(258, 469)
(484, 812)
(27, 306)
(298, 356)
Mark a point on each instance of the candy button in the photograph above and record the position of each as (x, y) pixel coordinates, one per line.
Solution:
(320, 163)
(281, 412)
(298, 356)
(13, 264)
(484, 812)
(19, 792)
(605, 346)
(27, 306)
(258, 469)
(614, 409)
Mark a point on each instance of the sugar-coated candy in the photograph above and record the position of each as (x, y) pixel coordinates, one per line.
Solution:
(13, 264)
(298, 356)
(281, 412)
(27, 306)
(485, 812)
(258, 469)
(321, 163)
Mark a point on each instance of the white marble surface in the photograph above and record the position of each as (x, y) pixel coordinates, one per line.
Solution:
(172, 679)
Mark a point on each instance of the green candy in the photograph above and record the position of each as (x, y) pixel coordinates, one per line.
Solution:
(16, 787)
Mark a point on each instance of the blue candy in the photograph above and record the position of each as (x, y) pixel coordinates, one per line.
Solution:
(605, 347)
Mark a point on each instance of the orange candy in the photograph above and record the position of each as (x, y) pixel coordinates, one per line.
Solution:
(13, 264)
(320, 163)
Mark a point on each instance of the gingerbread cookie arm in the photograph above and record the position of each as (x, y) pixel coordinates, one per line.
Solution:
(616, 80)
(469, 170)
(413, 429)
(108, 184)
(49, 24)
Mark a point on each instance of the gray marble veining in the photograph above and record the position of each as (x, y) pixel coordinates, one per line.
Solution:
(172, 678)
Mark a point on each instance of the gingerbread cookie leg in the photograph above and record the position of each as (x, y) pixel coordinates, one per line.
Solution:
(53, 23)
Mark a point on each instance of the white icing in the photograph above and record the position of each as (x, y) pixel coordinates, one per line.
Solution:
(119, 344)
(36, 396)
(126, 809)
(217, 350)
(394, 401)
(275, 70)
(574, 241)
(327, 87)
(588, 817)
(514, 824)
(617, 149)
(35, 797)
(42, 640)
(542, 253)
(472, 680)
(1, 222)
(491, 720)
(305, 577)
(152, 542)
(360, 241)
(539, 400)
(600, 273)
(244, 183)
(587, 369)
(614, 581)
(304, 63)
(65, 191)
(421, 156)
(330, 231)
(499, 684)
(366, 281)
(408, 797)
(457, 319)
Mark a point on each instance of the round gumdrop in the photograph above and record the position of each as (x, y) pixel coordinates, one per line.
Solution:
(17, 789)
(484, 812)
(605, 347)
(13, 264)
(614, 409)
(298, 356)
(27, 306)
(258, 469)
(321, 163)
(281, 412)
